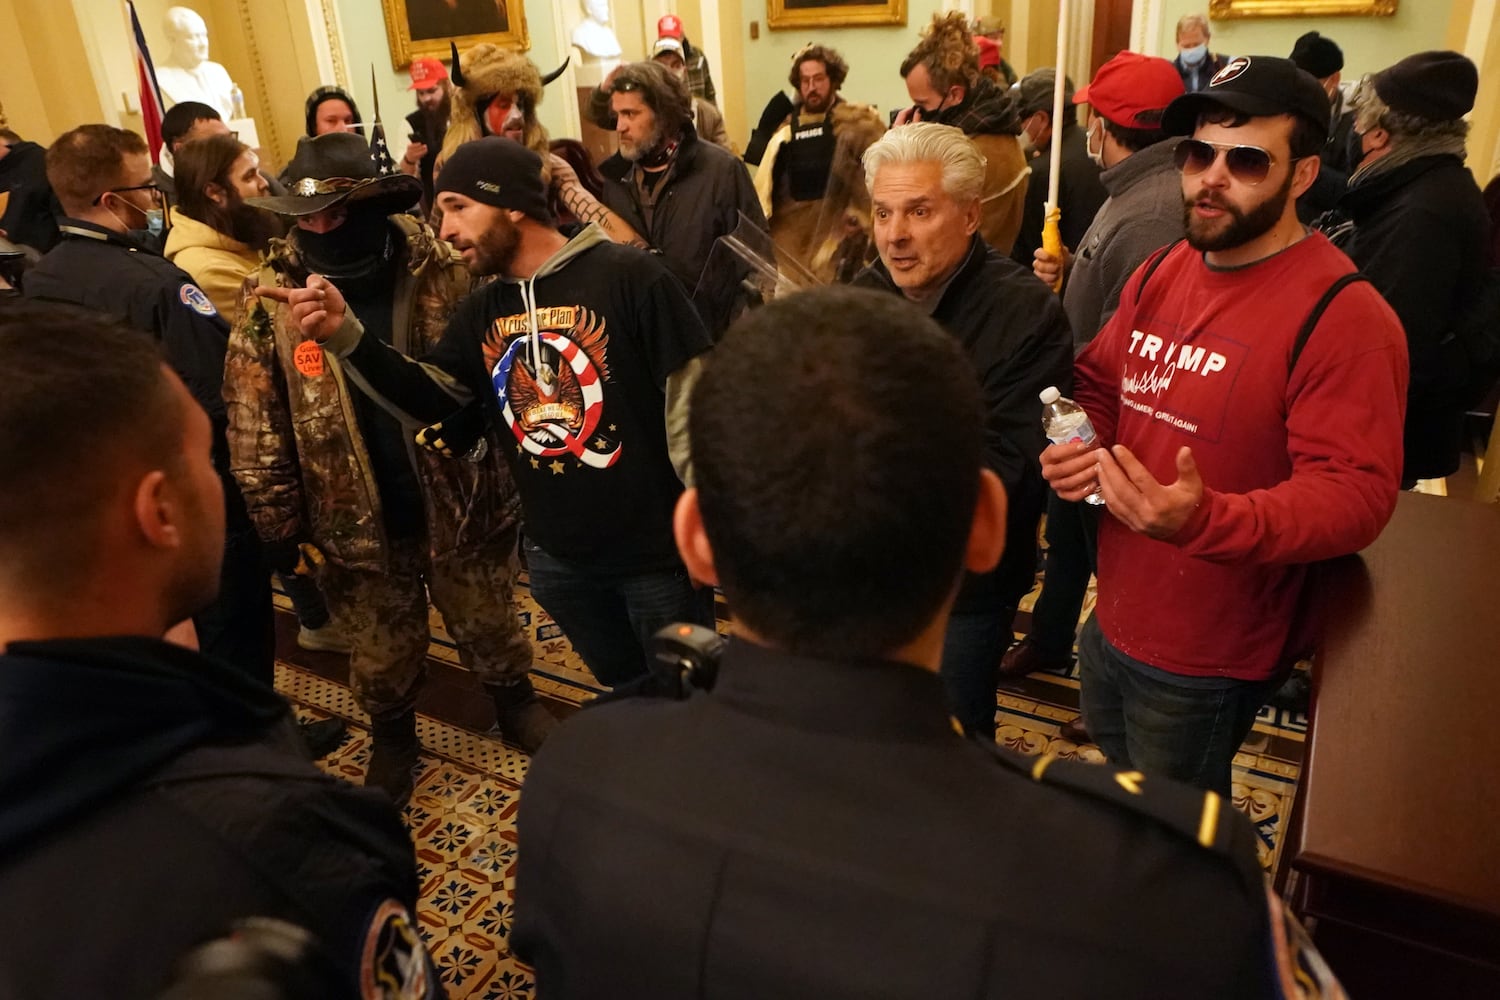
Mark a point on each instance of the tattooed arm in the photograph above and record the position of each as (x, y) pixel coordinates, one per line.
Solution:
(586, 208)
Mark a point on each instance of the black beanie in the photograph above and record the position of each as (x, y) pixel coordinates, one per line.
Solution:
(316, 99)
(1438, 86)
(497, 171)
(1318, 55)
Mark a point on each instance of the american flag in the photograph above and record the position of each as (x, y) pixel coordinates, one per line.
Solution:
(380, 151)
(151, 102)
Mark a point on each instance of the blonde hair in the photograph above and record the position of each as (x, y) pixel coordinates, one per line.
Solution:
(929, 142)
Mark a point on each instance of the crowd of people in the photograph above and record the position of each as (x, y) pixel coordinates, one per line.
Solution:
(390, 384)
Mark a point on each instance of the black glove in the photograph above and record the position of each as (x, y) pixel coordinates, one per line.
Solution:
(289, 556)
(458, 434)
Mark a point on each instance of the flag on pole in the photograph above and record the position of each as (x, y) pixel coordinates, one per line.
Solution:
(152, 108)
(380, 150)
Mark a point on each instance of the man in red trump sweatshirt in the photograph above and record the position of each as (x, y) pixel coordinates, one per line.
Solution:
(1232, 450)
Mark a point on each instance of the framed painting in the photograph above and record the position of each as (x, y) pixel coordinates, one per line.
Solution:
(832, 13)
(1221, 9)
(425, 27)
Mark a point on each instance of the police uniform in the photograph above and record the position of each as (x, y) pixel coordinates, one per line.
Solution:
(115, 274)
(817, 828)
(151, 798)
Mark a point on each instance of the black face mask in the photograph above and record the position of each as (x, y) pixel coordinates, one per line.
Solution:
(357, 249)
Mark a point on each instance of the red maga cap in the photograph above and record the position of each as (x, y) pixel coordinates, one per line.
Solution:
(427, 72)
(670, 26)
(1130, 85)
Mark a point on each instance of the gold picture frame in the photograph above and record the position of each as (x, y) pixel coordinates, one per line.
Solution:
(1223, 9)
(419, 28)
(782, 14)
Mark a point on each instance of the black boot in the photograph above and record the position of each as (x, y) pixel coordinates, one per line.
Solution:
(520, 717)
(323, 736)
(393, 755)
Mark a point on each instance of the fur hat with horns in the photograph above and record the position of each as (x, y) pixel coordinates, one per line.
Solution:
(481, 73)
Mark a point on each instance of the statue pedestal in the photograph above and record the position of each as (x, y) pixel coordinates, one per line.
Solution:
(601, 143)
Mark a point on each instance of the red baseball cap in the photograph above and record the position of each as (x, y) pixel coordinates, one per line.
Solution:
(989, 52)
(670, 26)
(427, 72)
(1129, 85)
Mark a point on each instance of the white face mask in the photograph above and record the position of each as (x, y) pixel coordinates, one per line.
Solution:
(1088, 143)
(1028, 144)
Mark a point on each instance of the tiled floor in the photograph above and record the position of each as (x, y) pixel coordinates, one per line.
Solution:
(462, 813)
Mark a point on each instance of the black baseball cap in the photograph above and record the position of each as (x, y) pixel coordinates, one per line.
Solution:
(1259, 86)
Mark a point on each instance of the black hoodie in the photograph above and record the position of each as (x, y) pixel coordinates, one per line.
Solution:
(149, 798)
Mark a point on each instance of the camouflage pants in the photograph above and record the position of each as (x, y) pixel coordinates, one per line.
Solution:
(385, 618)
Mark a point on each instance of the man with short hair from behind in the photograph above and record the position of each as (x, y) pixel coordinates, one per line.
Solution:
(109, 259)
(152, 796)
(1247, 427)
(813, 826)
(926, 183)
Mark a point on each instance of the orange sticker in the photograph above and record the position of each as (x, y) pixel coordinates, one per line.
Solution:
(308, 357)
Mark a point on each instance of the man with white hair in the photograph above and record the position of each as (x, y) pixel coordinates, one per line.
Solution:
(926, 182)
(188, 74)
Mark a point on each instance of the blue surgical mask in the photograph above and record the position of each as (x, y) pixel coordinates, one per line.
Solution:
(1194, 55)
(156, 222)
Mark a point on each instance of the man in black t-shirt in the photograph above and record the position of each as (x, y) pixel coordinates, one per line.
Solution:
(580, 356)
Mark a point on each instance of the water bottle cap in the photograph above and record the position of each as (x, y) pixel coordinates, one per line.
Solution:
(1050, 395)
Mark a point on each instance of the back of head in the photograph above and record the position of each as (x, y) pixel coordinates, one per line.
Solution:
(1130, 93)
(180, 119)
(1424, 96)
(87, 407)
(836, 439)
(666, 95)
(947, 51)
(198, 164)
(930, 142)
(1035, 93)
(1317, 55)
(86, 162)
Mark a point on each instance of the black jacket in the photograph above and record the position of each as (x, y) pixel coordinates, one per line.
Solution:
(1422, 235)
(815, 828)
(1079, 193)
(417, 125)
(701, 199)
(1014, 330)
(149, 798)
(31, 213)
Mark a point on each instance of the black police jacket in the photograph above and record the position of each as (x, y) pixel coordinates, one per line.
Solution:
(816, 828)
(149, 798)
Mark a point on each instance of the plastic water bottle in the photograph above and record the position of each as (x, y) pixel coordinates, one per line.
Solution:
(1063, 421)
(237, 101)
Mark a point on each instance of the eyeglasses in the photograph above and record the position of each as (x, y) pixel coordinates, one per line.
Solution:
(156, 192)
(1247, 164)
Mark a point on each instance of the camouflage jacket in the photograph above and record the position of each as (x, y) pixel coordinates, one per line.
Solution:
(296, 448)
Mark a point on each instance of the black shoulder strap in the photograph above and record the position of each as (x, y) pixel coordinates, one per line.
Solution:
(1311, 323)
(1152, 263)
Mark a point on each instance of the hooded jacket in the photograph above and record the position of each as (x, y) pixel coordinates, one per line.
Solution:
(591, 457)
(219, 263)
(153, 796)
(987, 116)
(322, 94)
(1014, 332)
(295, 441)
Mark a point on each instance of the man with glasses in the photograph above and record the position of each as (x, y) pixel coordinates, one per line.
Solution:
(108, 259)
(1248, 402)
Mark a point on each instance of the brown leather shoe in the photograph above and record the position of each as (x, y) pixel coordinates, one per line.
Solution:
(1026, 657)
(1074, 732)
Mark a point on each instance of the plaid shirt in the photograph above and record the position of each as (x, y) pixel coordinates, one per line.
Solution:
(699, 79)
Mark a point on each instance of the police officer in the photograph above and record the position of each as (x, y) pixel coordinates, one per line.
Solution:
(152, 797)
(815, 826)
(108, 259)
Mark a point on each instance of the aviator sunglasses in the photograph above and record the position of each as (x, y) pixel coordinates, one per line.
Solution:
(1247, 164)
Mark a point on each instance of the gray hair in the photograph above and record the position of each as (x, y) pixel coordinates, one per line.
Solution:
(929, 142)
(1371, 112)
(1194, 21)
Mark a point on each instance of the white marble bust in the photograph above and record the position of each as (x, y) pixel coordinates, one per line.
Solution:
(594, 37)
(188, 74)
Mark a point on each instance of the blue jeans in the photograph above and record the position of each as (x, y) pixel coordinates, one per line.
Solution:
(972, 647)
(610, 618)
(1160, 723)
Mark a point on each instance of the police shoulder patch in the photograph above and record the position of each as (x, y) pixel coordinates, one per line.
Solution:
(393, 961)
(192, 296)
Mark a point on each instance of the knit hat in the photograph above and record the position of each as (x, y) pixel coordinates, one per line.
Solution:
(1035, 91)
(1258, 86)
(497, 171)
(1437, 86)
(322, 94)
(1129, 86)
(1318, 55)
(336, 168)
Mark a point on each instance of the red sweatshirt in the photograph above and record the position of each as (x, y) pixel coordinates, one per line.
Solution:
(1295, 469)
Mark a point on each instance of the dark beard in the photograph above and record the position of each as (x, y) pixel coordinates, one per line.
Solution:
(254, 227)
(1243, 226)
(435, 123)
(495, 249)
